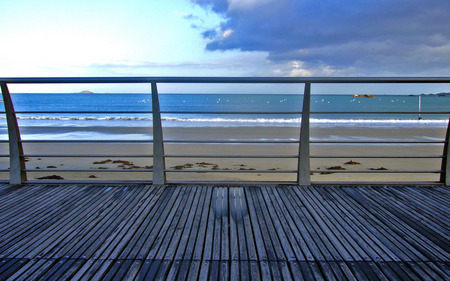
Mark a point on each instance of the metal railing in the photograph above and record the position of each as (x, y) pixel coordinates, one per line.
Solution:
(18, 170)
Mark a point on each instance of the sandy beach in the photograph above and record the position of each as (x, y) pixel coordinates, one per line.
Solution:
(328, 167)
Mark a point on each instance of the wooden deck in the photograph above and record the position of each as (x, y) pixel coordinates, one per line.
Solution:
(142, 232)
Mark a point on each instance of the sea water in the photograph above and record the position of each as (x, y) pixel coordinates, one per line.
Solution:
(212, 110)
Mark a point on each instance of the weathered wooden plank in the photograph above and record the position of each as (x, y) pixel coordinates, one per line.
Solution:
(266, 275)
(187, 250)
(338, 226)
(379, 227)
(169, 237)
(133, 271)
(293, 238)
(151, 245)
(235, 219)
(260, 248)
(38, 215)
(38, 237)
(117, 241)
(9, 266)
(234, 271)
(218, 211)
(65, 273)
(183, 227)
(224, 271)
(93, 231)
(194, 270)
(204, 270)
(225, 234)
(164, 203)
(304, 226)
(247, 231)
(277, 233)
(201, 246)
(406, 226)
(364, 233)
(57, 269)
(330, 236)
(204, 251)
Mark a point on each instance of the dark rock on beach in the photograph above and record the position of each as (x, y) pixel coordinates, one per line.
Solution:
(52, 177)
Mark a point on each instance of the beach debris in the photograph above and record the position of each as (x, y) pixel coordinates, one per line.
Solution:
(331, 169)
(351, 162)
(181, 167)
(103, 162)
(336, 168)
(204, 164)
(37, 168)
(92, 177)
(39, 159)
(246, 169)
(123, 162)
(52, 177)
(51, 167)
(378, 169)
(102, 168)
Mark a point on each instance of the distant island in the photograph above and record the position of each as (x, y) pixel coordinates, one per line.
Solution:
(438, 94)
(85, 92)
(363, 96)
(443, 94)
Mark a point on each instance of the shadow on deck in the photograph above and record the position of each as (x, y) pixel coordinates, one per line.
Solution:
(142, 232)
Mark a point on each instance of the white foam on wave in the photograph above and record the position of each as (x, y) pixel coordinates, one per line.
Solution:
(231, 120)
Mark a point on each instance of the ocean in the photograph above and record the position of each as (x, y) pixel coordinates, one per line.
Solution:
(98, 125)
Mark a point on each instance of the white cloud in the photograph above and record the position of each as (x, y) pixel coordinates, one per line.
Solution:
(227, 33)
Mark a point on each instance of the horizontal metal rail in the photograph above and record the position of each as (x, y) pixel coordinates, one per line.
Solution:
(391, 142)
(225, 80)
(227, 156)
(378, 171)
(232, 141)
(230, 171)
(380, 112)
(86, 155)
(88, 170)
(86, 141)
(377, 156)
(232, 113)
(82, 112)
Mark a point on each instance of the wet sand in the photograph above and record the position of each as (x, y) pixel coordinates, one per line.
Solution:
(328, 168)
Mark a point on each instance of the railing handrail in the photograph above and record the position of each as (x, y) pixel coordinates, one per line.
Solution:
(17, 156)
(252, 80)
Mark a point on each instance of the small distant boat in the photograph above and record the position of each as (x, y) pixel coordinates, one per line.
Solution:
(363, 96)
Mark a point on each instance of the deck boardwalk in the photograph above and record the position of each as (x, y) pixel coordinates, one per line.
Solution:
(144, 232)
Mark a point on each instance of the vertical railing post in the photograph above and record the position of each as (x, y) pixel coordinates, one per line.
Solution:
(304, 176)
(159, 175)
(17, 174)
(445, 174)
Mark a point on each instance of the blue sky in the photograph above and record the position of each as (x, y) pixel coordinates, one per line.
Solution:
(225, 38)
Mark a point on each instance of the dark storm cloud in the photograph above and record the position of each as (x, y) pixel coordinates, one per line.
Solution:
(396, 35)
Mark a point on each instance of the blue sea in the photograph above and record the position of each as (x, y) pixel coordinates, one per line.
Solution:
(94, 123)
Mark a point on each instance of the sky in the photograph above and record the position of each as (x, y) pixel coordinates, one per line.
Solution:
(289, 38)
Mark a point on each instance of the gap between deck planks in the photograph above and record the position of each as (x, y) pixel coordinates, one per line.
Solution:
(144, 232)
